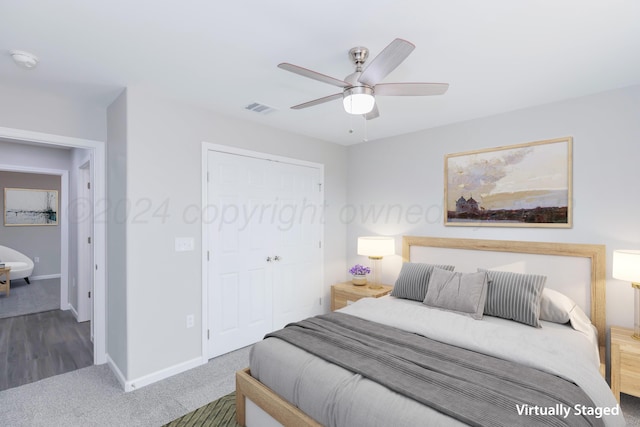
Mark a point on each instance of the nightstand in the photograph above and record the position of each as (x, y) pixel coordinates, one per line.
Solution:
(625, 362)
(343, 294)
(6, 286)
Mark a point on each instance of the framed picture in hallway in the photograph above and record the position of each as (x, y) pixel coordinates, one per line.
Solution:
(524, 185)
(25, 206)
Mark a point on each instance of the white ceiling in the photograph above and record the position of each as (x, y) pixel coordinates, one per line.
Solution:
(497, 55)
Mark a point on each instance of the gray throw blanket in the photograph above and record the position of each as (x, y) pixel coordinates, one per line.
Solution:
(474, 388)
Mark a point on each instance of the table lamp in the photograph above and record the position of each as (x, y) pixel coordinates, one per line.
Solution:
(376, 247)
(626, 266)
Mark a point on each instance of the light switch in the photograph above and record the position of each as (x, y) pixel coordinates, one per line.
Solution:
(184, 244)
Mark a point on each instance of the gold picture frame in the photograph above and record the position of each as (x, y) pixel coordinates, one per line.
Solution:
(523, 185)
(30, 207)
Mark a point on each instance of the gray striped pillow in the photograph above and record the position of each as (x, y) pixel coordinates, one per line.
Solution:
(514, 296)
(413, 280)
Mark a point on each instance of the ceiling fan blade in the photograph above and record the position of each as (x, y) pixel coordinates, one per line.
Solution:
(317, 101)
(313, 74)
(373, 114)
(386, 61)
(410, 89)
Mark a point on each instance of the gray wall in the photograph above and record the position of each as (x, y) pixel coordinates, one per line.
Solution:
(405, 176)
(117, 314)
(33, 241)
(164, 144)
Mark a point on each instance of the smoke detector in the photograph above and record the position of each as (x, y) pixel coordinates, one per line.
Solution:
(24, 59)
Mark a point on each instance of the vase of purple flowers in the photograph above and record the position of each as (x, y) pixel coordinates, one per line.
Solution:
(359, 274)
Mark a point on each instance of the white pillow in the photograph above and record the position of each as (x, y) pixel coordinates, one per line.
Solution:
(558, 308)
(555, 306)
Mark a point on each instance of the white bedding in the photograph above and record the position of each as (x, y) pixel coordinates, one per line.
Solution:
(554, 348)
(336, 397)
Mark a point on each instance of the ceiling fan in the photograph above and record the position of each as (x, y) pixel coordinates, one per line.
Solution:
(360, 88)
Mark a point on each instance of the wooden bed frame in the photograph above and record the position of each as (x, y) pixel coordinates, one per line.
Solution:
(287, 414)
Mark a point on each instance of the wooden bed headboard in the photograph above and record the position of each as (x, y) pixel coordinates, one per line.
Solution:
(591, 257)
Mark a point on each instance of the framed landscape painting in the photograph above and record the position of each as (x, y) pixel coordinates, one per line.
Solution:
(23, 206)
(524, 185)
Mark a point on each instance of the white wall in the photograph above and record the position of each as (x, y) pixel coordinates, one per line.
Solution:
(163, 148)
(37, 110)
(404, 176)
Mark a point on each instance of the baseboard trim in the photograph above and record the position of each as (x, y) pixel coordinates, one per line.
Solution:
(73, 311)
(46, 276)
(116, 371)
(155, 376)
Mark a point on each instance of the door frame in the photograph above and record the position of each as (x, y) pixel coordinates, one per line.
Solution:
(85, 230)
(98, 152)
(63, 217)
(204, 242)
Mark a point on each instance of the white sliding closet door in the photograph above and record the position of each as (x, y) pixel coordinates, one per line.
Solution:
(264, 232)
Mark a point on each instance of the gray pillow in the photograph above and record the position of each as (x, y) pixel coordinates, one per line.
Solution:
(514, 296)
(413, 280)
(464, 293)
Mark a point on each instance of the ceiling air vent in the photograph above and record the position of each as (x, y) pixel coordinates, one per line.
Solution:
(256, 107)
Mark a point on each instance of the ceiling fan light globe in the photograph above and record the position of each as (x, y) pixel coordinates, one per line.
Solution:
(358, 100)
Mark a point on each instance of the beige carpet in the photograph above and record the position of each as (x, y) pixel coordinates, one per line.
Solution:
(93, 397)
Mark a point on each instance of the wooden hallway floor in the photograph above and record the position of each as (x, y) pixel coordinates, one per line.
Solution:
(41, 345)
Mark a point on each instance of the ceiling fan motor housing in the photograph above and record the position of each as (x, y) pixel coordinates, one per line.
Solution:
(358, 56)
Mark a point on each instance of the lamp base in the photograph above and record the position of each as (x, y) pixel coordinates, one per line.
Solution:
(376, 270)
(636, 309)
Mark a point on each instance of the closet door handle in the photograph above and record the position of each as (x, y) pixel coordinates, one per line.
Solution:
(276, 258)
(268, 259)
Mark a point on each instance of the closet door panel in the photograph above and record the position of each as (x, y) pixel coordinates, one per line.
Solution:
(297, 281)
(240, 310)
(267, 236)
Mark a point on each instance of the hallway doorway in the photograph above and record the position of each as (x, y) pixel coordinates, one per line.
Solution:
(98, 297)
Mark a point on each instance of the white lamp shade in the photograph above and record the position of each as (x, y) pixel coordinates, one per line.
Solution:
(626, 265)
(376, 246)
(358, 100)
(360, 103)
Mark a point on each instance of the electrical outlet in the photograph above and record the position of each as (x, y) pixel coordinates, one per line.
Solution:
(190, 321)
(36, 259)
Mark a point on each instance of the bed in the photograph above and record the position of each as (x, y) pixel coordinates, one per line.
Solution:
(286, 385)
